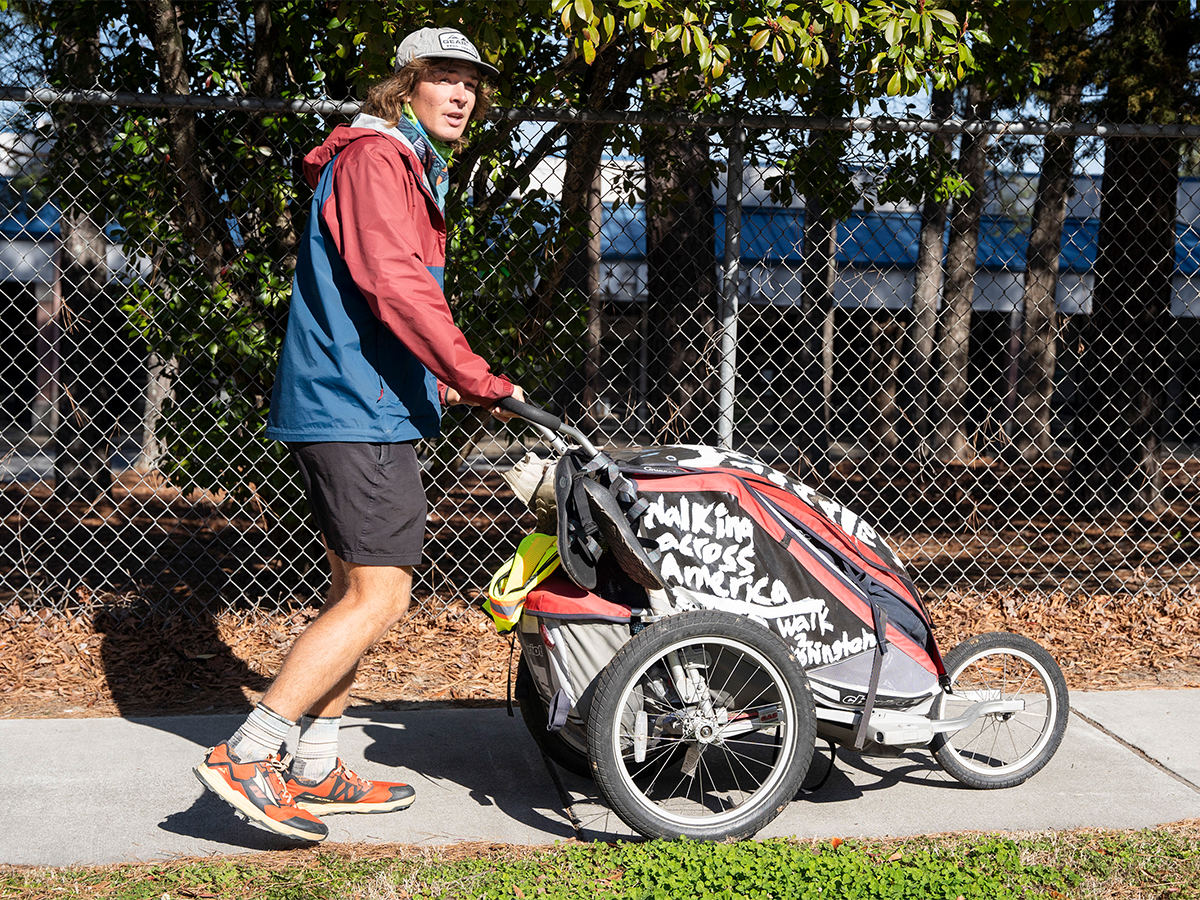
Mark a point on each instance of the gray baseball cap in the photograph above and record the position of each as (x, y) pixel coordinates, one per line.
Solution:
(440, 43)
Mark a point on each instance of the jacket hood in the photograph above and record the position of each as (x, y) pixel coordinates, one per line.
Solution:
(340, 138)
(426, 163)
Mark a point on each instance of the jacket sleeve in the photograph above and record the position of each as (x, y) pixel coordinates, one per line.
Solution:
(372, 213)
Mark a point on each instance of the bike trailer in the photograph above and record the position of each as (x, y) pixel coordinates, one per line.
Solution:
(729, 533)
(711, 617)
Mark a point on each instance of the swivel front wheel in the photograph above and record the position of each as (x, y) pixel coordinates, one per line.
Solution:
(1003, 749)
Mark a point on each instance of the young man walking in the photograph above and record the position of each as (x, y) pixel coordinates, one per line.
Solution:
(371, 355)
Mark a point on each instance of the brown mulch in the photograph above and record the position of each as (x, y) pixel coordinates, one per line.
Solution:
(105, 664)
(1146, 640)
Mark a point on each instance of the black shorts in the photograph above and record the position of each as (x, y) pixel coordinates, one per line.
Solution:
(367, 499)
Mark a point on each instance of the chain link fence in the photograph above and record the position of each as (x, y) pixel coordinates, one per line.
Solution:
(1006, 380)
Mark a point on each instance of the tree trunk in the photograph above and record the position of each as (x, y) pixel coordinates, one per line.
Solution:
(928, 282)
(594, 404)
(1122, 362)
(887, 355)
(1124, 358)
(681, 284)
(195, 213)
(581, 233)
(284, 236)
(825, 202)
(567, 249)
(818, 274)
(954, 438)
(1031, 427)
(265, 36)
(86, 421)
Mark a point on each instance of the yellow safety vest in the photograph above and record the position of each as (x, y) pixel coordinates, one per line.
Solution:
(536, 557)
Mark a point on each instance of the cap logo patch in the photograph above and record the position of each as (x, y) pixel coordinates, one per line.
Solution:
(458, 43)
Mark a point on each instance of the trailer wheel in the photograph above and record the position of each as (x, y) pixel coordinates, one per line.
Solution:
(1005, 749)
(702, 726)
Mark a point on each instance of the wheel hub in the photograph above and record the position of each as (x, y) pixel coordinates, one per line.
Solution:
(701, 728)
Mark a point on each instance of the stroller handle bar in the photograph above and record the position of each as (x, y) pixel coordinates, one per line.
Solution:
(550, 425)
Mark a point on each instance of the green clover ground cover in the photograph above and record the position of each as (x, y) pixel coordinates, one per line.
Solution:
(1162, 863)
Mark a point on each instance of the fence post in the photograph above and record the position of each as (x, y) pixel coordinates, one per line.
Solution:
(729, 293)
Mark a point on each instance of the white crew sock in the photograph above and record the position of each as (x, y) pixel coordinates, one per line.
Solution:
(261, 735)
(317, 751)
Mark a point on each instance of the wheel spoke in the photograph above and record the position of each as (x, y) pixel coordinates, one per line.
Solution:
(714, 792)
(739, 757)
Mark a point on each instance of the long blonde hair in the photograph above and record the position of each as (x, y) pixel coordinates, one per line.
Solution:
(386, 99)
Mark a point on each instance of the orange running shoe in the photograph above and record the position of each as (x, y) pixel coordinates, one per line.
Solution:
(344, 791)
(257, 792)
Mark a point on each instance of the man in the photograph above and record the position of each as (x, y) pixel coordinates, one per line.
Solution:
(371, 354)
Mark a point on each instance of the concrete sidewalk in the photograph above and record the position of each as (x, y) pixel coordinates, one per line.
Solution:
(113, 790)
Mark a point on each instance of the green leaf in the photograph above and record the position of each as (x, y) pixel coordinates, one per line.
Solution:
(893, 32)
(946, 17)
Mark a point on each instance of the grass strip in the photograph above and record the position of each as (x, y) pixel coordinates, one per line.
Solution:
(1162, 863)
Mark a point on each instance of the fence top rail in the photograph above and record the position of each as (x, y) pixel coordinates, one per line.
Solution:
(327, 107)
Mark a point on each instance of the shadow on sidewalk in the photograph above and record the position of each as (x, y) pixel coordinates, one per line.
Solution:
(212, 819)
(498, 766)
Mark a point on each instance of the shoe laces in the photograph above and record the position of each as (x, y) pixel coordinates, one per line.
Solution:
(277, 767)
(352, 776)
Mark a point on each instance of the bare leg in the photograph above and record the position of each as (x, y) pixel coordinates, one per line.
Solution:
(318, 672)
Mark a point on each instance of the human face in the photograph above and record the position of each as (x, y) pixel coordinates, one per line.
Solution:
(443, 99)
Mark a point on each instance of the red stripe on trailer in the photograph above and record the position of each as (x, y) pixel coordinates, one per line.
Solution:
(836, 535)
(559, 598)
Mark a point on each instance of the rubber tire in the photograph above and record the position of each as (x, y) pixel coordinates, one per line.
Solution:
(614, 776)
(535, 715)
(1024, 654)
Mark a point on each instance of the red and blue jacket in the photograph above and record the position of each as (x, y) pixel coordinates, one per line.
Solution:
(370, 335)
